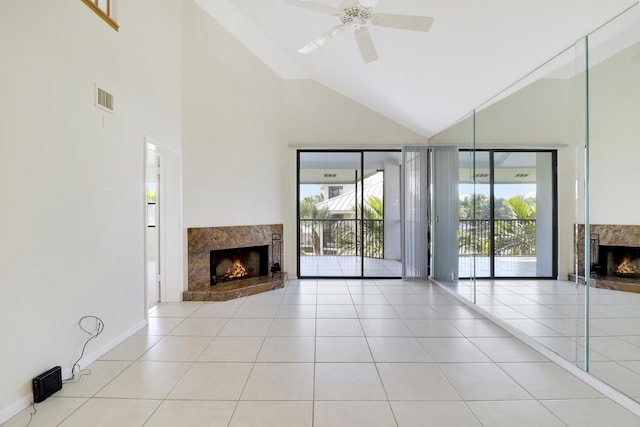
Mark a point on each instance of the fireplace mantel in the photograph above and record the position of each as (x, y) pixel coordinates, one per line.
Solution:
(201, 241)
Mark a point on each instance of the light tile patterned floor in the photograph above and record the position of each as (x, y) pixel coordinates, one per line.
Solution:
(373, 353)
(552, 312)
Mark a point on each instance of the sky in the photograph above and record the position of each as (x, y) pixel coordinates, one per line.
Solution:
(307, 190)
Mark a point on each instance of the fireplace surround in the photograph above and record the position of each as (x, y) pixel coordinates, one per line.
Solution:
(254, 243)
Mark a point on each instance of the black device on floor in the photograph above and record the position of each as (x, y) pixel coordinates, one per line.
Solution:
(47, 383)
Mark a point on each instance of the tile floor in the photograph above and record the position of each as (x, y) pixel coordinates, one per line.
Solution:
(552, 312)
(326, 353)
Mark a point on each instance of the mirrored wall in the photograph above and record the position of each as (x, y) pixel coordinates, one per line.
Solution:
(549, 234)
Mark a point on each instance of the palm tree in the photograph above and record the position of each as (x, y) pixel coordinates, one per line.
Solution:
(372, 229)
(309, 211)
(475, 211)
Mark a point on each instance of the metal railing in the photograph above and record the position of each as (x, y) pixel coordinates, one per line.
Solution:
(512, 237)
(342, 237)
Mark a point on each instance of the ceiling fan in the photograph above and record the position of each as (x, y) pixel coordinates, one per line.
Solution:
(357, 14)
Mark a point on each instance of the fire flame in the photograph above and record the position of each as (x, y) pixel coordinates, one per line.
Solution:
(237, 272)
(626, 267)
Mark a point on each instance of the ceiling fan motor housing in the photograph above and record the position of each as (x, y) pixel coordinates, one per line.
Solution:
(355, 16)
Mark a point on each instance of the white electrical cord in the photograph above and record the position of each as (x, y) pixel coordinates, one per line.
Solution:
(99, 327)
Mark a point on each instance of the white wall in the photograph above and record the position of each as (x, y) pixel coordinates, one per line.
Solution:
(615, 139)
(318, 115)
(233, 130)
(239, 120)
(171, 237)
(71, 175)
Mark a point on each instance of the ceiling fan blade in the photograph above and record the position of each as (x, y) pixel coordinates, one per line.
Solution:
(404, 22)
(320, 40)
(365, 43)
(368, 3)
(316, 6)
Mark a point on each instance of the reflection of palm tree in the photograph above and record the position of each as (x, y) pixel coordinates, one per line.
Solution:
(475, 209)
(512, 237)
(310, 211)
(517, 237)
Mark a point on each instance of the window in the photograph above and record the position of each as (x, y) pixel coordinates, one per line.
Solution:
(104, 9)
(335, 191)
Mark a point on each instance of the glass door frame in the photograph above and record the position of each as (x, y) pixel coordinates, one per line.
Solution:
(359, 217)
(492, 218)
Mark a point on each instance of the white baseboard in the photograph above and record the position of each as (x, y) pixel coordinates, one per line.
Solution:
(96, 354)
(15, 408)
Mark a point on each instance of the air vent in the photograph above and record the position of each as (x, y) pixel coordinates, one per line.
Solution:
(522, 175)
(482, 175)
(330, 175)
(104, 99)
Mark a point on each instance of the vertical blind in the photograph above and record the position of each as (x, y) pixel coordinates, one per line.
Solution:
(445, 213)
(415, 213)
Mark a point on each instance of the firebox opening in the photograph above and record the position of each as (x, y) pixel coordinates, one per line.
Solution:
(621, 261)
(238, 263)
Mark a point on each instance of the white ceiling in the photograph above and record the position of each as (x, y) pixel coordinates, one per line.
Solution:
(424, 81)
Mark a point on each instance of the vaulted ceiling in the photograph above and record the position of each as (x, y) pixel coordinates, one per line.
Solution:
(425, 81)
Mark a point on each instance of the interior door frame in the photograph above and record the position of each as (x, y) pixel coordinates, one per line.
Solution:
(151, 149)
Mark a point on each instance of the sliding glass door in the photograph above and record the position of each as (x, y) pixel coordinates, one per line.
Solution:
(349, 214)
(508, 214)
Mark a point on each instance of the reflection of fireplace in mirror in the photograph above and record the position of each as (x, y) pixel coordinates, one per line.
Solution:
(614, 257)
(228, 265)
(619, 261)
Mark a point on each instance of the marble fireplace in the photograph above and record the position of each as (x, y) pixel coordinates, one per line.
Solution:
(232, 262)
(615, 253)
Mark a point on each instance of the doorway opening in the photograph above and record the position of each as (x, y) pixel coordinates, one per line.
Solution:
(153, 261)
